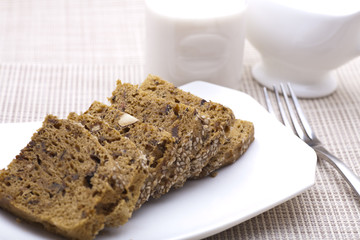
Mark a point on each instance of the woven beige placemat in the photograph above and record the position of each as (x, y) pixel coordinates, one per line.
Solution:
(30, 91)
(59, 56)
(72, 31)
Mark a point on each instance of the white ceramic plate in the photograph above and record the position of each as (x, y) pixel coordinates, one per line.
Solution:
(277, 167)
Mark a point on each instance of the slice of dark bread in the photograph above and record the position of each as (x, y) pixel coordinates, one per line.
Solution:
(137, 173)
(184, 123)
(65, 180)
(158, 145)
(219, 117)
(238, 134)
(223, 116)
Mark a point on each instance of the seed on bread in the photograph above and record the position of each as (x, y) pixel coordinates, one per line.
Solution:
(127, 119)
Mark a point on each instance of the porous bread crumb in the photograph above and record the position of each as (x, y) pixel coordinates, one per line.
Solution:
(158, 145)
(183, 122)
(131, 161)
(62, 180)
(237, 136)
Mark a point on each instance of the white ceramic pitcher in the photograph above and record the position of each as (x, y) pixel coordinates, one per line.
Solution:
(303, 42)
(189, 40)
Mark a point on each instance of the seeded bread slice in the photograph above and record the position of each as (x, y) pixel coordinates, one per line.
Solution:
(238, 134)
(223, 116)
(65, 180)
(219, 117)
(116, 144)
(184, 123)
(158, 145)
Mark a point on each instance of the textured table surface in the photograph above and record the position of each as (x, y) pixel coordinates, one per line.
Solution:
(58, 56)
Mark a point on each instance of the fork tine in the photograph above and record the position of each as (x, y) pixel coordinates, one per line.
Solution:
(351, 178)
(293, 117)
(268, 102)
(300, 113)
(281, 109)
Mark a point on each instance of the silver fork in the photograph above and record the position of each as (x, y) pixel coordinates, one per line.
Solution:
(303, 130)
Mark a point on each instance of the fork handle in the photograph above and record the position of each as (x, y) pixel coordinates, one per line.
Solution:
(350, 177)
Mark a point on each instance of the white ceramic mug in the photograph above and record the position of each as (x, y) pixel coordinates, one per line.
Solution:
(188, 40)
(303, 42)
